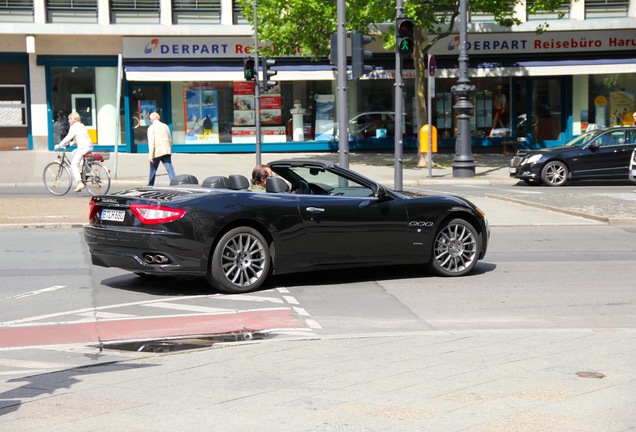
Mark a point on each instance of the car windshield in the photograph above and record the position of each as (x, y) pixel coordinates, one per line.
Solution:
(327, 181)
(584, 139)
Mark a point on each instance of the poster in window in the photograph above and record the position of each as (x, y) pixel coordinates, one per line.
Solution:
(271, 113)
(325, 117)
(144, 108)
(202, 115)
(621, 108)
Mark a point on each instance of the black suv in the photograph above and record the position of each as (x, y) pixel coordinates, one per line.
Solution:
(598, 154)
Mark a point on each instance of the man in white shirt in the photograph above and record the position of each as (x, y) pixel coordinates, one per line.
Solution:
(159, 147)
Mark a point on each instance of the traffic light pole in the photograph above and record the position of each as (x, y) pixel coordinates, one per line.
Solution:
(343, 112)
(257, 90)
(399, 108)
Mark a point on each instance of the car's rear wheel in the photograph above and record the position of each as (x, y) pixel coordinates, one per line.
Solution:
(240, 261)
(554, 173)
(455, 249)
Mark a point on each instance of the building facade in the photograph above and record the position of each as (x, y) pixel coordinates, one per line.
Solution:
(184, 60)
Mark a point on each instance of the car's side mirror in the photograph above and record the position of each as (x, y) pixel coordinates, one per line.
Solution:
(593, 145)
(381, 193)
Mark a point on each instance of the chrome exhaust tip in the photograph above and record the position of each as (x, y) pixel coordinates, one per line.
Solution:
(156, 259)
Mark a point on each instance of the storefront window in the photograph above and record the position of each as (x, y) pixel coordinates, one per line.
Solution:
(612, 99)
(91, 91)
(491, 116)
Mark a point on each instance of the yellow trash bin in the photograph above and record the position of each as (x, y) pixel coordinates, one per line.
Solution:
(424, 139)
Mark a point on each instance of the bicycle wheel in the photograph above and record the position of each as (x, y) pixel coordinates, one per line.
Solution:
(96, 178)
(57, 178)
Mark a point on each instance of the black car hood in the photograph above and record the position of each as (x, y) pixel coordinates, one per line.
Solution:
(545, 150)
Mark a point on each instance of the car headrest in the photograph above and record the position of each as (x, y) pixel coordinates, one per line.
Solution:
(216, 182)
(238, 182)
(276, 185)
(184, 179)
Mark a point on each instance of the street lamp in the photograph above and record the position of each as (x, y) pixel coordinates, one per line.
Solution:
(463, 163)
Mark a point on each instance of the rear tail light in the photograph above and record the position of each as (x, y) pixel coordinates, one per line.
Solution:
(92, 211)
(150, 215)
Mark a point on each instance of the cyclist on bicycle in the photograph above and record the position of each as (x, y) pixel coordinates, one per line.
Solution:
(78, 132)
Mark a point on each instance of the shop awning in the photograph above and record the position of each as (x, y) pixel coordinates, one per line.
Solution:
(175, 72)
(447, 68)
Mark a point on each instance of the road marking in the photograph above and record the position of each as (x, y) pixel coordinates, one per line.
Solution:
(290, 300)
(148, 328)
(41, 291)
(104, 315)
(301, 311)
(313, 324)
(189, 308)
(138, 303)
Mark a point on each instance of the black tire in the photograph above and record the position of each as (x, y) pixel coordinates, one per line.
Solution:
(240, 261)
(554, 173)
(456, 249)
(96, 178)
(57, 178)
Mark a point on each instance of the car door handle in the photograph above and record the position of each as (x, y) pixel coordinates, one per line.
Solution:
(315, 210)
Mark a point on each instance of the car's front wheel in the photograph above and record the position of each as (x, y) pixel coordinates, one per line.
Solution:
(554, 173)
(455, 249)
(240, 261)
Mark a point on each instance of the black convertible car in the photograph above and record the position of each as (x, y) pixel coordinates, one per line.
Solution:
(315, 215)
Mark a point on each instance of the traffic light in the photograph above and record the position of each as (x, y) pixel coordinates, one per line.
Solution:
(249, 69)
(359, 54)
(404, 36)
(267, 84)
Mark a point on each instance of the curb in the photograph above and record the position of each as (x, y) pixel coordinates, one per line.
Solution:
(603, 219)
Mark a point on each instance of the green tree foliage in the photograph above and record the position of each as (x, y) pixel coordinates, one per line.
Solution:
(290, 25)
(304, 26)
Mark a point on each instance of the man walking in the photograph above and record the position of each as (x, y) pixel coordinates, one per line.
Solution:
(159, 147)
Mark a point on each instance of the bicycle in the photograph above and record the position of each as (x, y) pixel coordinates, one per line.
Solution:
(58, 178)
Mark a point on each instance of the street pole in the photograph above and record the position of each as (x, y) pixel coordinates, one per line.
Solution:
(342, 106)
(463, 163)
(257, 90)
(399, 108)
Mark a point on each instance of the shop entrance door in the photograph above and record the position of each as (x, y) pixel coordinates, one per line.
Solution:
(144, 99)
(541, 111)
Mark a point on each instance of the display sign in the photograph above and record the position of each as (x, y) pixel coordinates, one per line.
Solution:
(533, 43)
(202, 114)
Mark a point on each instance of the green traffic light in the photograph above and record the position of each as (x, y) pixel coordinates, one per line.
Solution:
(405, 45)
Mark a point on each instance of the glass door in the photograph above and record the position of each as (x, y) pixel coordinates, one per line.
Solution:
(541, 114)
(145, 99)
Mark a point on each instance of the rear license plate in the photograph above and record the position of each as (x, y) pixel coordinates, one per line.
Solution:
(113, 215)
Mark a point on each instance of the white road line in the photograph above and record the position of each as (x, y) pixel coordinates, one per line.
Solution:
(313, 324)
(104, 315)
(189, 308)
(245, 297)
(32, 293)
(301, 311)
(290, 299)
(138, 303)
